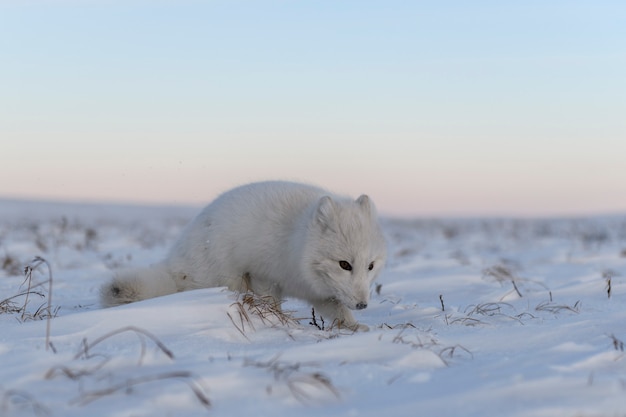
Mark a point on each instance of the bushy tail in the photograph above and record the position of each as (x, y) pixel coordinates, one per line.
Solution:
(132, 285)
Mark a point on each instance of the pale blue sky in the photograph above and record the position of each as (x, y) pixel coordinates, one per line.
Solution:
(431, 107)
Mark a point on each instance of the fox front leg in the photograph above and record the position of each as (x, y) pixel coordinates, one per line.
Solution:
(337, 315)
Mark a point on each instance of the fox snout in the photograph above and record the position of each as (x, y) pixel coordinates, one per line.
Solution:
(359, 299)
(353, 303)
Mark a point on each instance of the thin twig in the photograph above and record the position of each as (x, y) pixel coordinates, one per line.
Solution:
(313, 321)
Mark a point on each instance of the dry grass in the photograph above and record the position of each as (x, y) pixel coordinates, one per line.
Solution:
(617, 344)
(504, 273)
(86, 347)
(11, 265)
(126, 385)
(9, 306)
(506, 310)
(494, 310)
(488, 309)
(608, 275)
(558, 308)
(45, 311)
(417, 341)
(91, 367)
(85, 353)
(397, 326)
(298, 379)
(48, 314)
(466, 321)
(450, 352)
(265, 308)
(497, 309)
(16, 399)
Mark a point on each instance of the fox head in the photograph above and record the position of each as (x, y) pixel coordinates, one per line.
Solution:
(346, 249)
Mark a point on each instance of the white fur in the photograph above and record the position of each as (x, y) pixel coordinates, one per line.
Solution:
(275, 238)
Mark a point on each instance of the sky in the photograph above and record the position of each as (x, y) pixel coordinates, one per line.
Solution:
(433, 108)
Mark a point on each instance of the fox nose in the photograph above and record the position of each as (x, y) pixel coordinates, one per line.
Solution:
(361, 306)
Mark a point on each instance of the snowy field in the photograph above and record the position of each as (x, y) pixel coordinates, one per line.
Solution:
(470, 318)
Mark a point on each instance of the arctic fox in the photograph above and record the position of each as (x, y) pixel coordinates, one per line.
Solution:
(275, 238)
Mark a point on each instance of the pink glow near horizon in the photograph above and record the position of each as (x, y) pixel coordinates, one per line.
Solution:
(432, 109)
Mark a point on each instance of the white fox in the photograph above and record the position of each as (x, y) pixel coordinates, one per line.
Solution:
(280, 239)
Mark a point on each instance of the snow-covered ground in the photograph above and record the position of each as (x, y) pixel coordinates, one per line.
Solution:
(487, 317)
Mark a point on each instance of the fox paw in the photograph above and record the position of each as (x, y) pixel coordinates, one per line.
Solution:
(361, 328)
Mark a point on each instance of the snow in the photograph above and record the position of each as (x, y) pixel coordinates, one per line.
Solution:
(449, 332)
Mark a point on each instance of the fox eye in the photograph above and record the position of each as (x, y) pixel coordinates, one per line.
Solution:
(345, 265)
(371, 266)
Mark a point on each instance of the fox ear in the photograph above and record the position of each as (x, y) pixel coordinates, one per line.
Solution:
(325, 214)
(364, 202)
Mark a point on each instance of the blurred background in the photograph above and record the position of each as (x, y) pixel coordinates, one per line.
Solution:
(432, 108)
